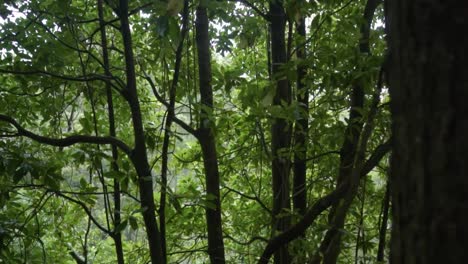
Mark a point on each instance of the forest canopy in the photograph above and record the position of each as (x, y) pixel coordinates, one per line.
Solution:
(194, 131)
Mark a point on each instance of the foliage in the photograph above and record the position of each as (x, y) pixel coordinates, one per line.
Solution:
(57, 201)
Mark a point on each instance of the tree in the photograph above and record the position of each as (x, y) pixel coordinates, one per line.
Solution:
(428, 86)
(280, 128)
(206, 137)
(192, 131)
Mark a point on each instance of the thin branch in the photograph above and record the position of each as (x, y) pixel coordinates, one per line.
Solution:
(59, 40)
(13, 35)
(253, 198)
(246, 243)
(41, 186)
(176, 120)
(111, 22)
(67, 141)
(86, 209)
(91, 77)
(313, 34)
(254, 8)
(323, 154)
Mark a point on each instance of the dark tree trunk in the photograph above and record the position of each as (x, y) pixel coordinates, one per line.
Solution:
(301, 127)
(110, 109)
(383, 225)
(207, 139)
(428, 79)
(331, 244)
(139, 156)
(280, 129)
(318, 207)
(167, 128)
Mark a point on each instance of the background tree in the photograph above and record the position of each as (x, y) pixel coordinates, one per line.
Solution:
(157, 124)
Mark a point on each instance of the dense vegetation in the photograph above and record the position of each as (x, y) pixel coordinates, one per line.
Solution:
(194, 131)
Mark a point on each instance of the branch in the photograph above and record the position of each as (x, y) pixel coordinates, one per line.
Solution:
(91, 77)
(176, 120)
(369, 11)
(376, 156)
(67, 141)
(315, 32)
(254, 8)
(321, 205)
(253, 198)
(246, 243)
(298, 229)
(79, 259)
(322, 155)
(86, 209)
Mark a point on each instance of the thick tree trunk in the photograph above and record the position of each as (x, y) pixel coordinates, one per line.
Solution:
(428, 78)
(280, 129)
(207, 139)
(139, 156)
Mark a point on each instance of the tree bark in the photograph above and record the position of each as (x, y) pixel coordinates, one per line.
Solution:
(301, 127)
(206, 137)
(428, 82)
(110, 110)
(139, 156)
(280, 129)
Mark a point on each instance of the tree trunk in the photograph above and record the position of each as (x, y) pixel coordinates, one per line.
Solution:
(280, 129)
(110, 110)
(349, 161)
(207, 139)
(167, 128)
(301, 127)
(383, 225)
(428, 79)
(139, 156)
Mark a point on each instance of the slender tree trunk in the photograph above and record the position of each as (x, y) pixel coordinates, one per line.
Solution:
(349, 160)
(139, 156)
(207, 141)
(428, 79)
(280, 129)
(167, 129)
(383, 225)
(301, 127)
(110, 109)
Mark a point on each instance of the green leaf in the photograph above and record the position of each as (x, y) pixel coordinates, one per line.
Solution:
(133, 222)
(120, 227)
(162, 25)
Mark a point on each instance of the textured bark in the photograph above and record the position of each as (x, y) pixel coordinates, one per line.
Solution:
(280, 129)
(139, 156)
(207, 139)
(428, 82)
